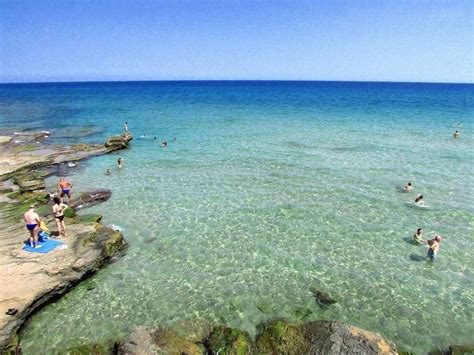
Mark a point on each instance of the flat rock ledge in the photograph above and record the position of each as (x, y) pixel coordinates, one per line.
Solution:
(274, 337)
(31, 152)
(30, 280)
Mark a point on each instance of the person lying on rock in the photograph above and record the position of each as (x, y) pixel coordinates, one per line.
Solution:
(64, 188)
(32, 221)
(58, 211)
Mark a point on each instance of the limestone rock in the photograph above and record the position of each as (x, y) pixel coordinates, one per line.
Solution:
(156, 340)
(91, 198)
(118, 142)
(319, 337)
(5, 139)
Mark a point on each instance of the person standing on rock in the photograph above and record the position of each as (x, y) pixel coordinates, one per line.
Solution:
(64, 188)
(58, 210)
(32, 221)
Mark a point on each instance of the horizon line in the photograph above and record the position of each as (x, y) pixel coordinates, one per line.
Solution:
(231, 80)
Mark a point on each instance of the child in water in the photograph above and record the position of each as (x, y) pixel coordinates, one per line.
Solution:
(418, 236)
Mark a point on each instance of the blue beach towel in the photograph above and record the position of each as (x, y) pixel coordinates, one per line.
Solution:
(46, 246)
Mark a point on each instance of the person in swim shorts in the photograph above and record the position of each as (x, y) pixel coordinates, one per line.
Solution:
(58, 211)
(434, 246)
(64, 188)
(32, 221)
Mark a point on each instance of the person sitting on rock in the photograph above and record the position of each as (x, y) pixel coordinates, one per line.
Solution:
(58, 211)
(32, 221)
(64, 188)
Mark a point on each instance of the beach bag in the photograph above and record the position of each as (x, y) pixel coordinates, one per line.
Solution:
(43, 236)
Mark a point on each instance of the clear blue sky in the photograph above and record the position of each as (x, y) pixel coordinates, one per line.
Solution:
(385, 40)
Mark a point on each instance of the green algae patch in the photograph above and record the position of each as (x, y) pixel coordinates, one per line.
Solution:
(87, 218)
(282, 338)
(230, 341)
(69, 212)
(25, 148)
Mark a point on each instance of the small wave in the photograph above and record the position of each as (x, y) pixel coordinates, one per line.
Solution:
(116, 228)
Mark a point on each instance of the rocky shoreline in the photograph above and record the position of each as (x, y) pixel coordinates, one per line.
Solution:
(33, 279)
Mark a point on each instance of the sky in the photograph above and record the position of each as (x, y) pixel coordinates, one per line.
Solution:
(95, 40)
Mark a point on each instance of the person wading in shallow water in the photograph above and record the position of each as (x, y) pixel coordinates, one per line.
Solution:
(434, 246)
(58, 211)
(119, 163)
(64, 188)
(32, 221)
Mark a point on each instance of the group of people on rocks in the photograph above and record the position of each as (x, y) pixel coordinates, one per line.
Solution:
(33, 220)
(434, 243)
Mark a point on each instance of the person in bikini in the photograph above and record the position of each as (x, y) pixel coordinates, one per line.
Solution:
(58, 211)
(64, 188)
(32, 221)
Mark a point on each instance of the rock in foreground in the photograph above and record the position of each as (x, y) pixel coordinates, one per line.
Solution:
(274, 337)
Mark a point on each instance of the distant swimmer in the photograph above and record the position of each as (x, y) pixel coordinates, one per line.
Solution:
(408, 187)
(154, 138)
(125, 127)
(174, 139)
(434, 246)
(419, 201)
(164, 144)
(108, 172)
(418, 236)
(457, 134)
(119, 163)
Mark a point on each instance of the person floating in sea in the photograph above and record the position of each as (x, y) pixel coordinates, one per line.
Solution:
(457, 134)
(434, 245)
(408, 187)
(125, 128)
(58, 211)
(154, 138)
(164, 144)
(174, 139)
(418, 236)
(64, 188)
(419, 201)
(32, 221)
(119, 163)
(108, 172)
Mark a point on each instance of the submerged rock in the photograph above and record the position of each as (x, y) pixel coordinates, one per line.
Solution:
(91, 198)
(323, 299)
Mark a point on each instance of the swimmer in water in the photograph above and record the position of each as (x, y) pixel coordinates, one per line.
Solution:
(164, 144)
(418, 236)
(457, 134)
(119, 163)
(434, 246)
(408, 187)
(108, 173)
(419, 201)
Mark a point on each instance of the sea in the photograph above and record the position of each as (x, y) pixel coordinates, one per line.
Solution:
(266, 192)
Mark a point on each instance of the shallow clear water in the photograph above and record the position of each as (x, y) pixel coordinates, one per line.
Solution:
(270, 188)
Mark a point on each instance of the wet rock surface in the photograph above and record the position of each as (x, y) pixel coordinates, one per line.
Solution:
(30, 280)
(274, 337)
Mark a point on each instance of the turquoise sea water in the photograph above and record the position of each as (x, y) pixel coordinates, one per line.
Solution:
(270, 188)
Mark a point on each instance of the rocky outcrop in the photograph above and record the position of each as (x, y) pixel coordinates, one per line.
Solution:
(274, 337)
(90, 198)
(26, 151)
(118, 142)
(29, 280)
